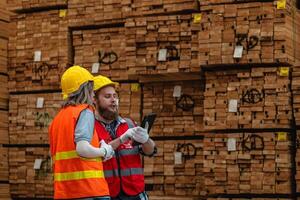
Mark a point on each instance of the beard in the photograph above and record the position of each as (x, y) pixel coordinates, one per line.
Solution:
(108, 114)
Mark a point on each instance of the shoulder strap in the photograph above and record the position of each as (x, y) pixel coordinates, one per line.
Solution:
(130, 123)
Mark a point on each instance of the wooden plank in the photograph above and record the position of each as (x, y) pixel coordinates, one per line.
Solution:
(24, 180)
(171, 119)
(27, 74)
(262, 99)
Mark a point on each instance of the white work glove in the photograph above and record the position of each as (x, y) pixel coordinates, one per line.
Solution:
(107, 149)
(141, 134)
(127, 135)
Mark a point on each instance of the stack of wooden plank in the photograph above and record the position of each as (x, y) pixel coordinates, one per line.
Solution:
(4, 35)
(30, 116)
(145, 7)
(176, 169)
(239, 163)
(161, 44)
(176, 116)
(30, 172)
(93, 12)
(38, 53)
(130, 100)
(247, 98)
(255, 32)
(297, 160)
(5, 31)
(102, 51)
(16, 5)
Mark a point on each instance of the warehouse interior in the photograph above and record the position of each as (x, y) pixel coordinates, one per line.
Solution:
(223, 77)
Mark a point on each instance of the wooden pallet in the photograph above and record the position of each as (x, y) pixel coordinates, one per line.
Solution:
(247, 98)
(4, 191)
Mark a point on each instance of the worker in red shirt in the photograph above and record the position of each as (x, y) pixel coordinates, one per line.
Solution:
(124, 172)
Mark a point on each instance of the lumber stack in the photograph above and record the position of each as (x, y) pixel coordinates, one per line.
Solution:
(144, 7)
(93, 12)
(239, 163)
(102, 51)
(35, 60)
(19, 5)
(247, 98)
(4, 35)
(24, 179)
(265, 33)
(176, 169)
(130, 100)
(297, 160)
(161, 44)
(5, 31)
(173, 120)
(30, 116)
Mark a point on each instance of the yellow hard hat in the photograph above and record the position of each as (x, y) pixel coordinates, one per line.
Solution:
(73, 78)
(102, 81)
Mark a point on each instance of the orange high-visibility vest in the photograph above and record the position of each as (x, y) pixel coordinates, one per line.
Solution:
(74, 176)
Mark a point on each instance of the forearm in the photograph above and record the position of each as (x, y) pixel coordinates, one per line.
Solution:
(85, 149)
(148, 147)
(115, 143)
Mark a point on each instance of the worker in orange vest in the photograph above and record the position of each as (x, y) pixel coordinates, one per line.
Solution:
(75, 148)
(124, 172)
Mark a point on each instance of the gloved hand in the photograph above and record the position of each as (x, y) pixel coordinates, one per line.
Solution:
(109, 151)
(141, 134)
(127, 135)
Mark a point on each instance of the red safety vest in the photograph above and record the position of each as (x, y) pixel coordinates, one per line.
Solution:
(74, 176)
(123, 171)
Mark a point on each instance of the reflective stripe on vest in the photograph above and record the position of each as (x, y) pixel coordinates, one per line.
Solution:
(124, 172)
(126, 152)
(71, 155)
(78, 175)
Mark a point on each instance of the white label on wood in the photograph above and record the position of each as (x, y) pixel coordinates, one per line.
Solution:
(37, 56)
(37, 164)
(40, 102)
(238, 51)
(232, 106)
(162, 55)
(95, 68)
(177, 91)
(231, 144)
(178, 158)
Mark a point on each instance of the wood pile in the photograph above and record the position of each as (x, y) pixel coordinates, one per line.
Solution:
(257, 32)
(130, 100)
(30, 116)
(297, 160)
(184, 119)
(176, 169)
(102, 51)
(19, 5)
(247, 98)
(4, 192)
(30, 172)
(144, 7)
(82, 13)
(35, 61)
(161, 44)
(3, 165)
(239, 163)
